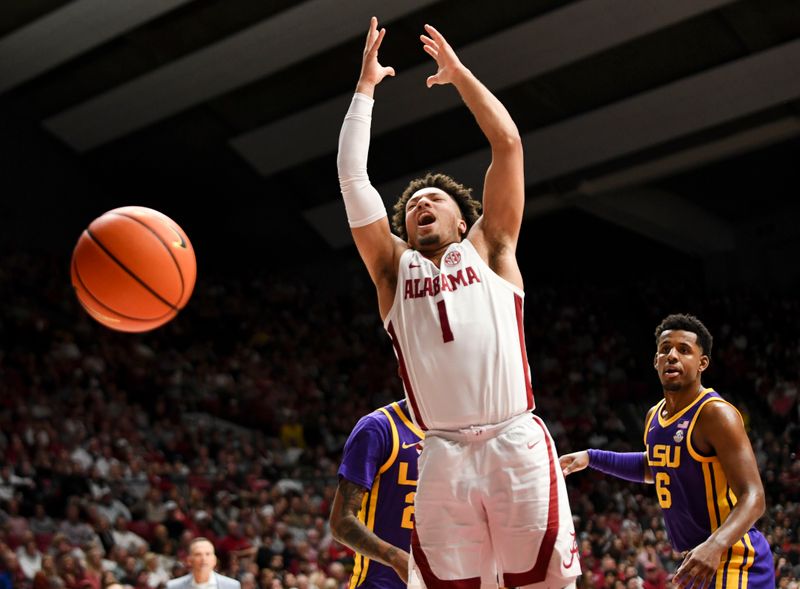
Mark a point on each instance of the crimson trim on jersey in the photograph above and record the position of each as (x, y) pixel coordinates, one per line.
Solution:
(538, 573)
(404, 375)
(521, 330)
(431, 580)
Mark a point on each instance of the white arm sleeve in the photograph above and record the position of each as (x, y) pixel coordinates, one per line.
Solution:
(361, 201)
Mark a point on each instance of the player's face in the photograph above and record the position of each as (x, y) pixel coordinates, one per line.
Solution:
(679, 360)
(433, 220)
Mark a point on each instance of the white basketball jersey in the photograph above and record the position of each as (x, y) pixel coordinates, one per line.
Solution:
(458, 337)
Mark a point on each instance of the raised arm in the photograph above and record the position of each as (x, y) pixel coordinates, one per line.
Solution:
(504, 186)
(720, 431)
(366, 213)
(348, 529)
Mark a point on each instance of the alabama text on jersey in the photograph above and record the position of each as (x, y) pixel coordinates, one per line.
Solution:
(458, 336)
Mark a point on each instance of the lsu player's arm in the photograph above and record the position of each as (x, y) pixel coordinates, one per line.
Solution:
(631, 466)
(348, 529)
(720, 431)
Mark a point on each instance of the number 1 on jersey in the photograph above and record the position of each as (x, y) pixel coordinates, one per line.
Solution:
(444, 322)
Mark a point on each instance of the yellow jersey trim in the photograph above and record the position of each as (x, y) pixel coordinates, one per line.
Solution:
(654, 410)
(409, 424)
(370, 523)
(360, 562)
(679, 414)
(395, 444)
(746, 568)
(689, 446)
(735, 564)
(710, 499)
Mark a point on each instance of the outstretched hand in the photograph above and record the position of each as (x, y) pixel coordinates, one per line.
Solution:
(699, 565)
(574, 462)
(439, 49)
(372, 72)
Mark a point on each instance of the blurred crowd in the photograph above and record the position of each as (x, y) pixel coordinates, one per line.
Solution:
(116, 449)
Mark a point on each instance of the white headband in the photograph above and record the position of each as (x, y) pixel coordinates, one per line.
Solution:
(428, 190)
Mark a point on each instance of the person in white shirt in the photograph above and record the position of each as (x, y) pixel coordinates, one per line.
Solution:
(112, 507)
(29, 557)
(202, 561)
(130, 541)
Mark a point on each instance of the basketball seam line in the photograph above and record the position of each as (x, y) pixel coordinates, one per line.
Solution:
(88, 291)
(166, 246)
(130, 272)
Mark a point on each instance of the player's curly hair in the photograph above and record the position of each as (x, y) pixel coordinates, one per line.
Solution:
(469, 207)
(686, 322)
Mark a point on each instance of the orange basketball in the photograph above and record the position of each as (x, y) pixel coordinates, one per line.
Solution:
(133, 269)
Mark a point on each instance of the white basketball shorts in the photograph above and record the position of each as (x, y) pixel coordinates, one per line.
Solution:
(491, 510)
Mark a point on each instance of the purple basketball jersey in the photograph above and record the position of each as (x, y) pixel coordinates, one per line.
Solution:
(696, 498)
(381, 456)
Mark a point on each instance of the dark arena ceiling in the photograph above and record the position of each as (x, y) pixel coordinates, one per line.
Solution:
(650, 128)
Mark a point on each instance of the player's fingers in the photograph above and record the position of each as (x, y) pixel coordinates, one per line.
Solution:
(373, 24)
(431, 51)
(678, 577)
(699, 582)
(376, 44)
(435, 34)
(428, 41)
(389, 71)
(685, 574)
(432, 80)
(681, 580)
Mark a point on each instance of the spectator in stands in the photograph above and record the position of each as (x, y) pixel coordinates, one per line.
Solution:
(93, 567)
(130, 571)
(13, 571)
(174, 520)
(111, 507)
(70, 571)
(234, 542)
(29, 557)
(654, 578)
(157, 575)
(46, 576)
(41, 524)
(202, 526)
(102, 528)
(77, 532)
(129, 540)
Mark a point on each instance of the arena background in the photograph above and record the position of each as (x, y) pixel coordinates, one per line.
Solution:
(661, 142)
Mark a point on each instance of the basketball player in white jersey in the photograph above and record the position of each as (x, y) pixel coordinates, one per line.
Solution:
(491, 505)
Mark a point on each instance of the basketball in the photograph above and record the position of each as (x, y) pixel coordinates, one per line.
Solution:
(133, 269)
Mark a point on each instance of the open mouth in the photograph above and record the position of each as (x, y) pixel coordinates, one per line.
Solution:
(425, 219)
(672, 372)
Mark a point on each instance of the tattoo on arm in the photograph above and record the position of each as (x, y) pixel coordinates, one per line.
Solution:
(354, 533)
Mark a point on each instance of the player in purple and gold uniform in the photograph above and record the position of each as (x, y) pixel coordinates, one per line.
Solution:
(373, 510)
(701, 461)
